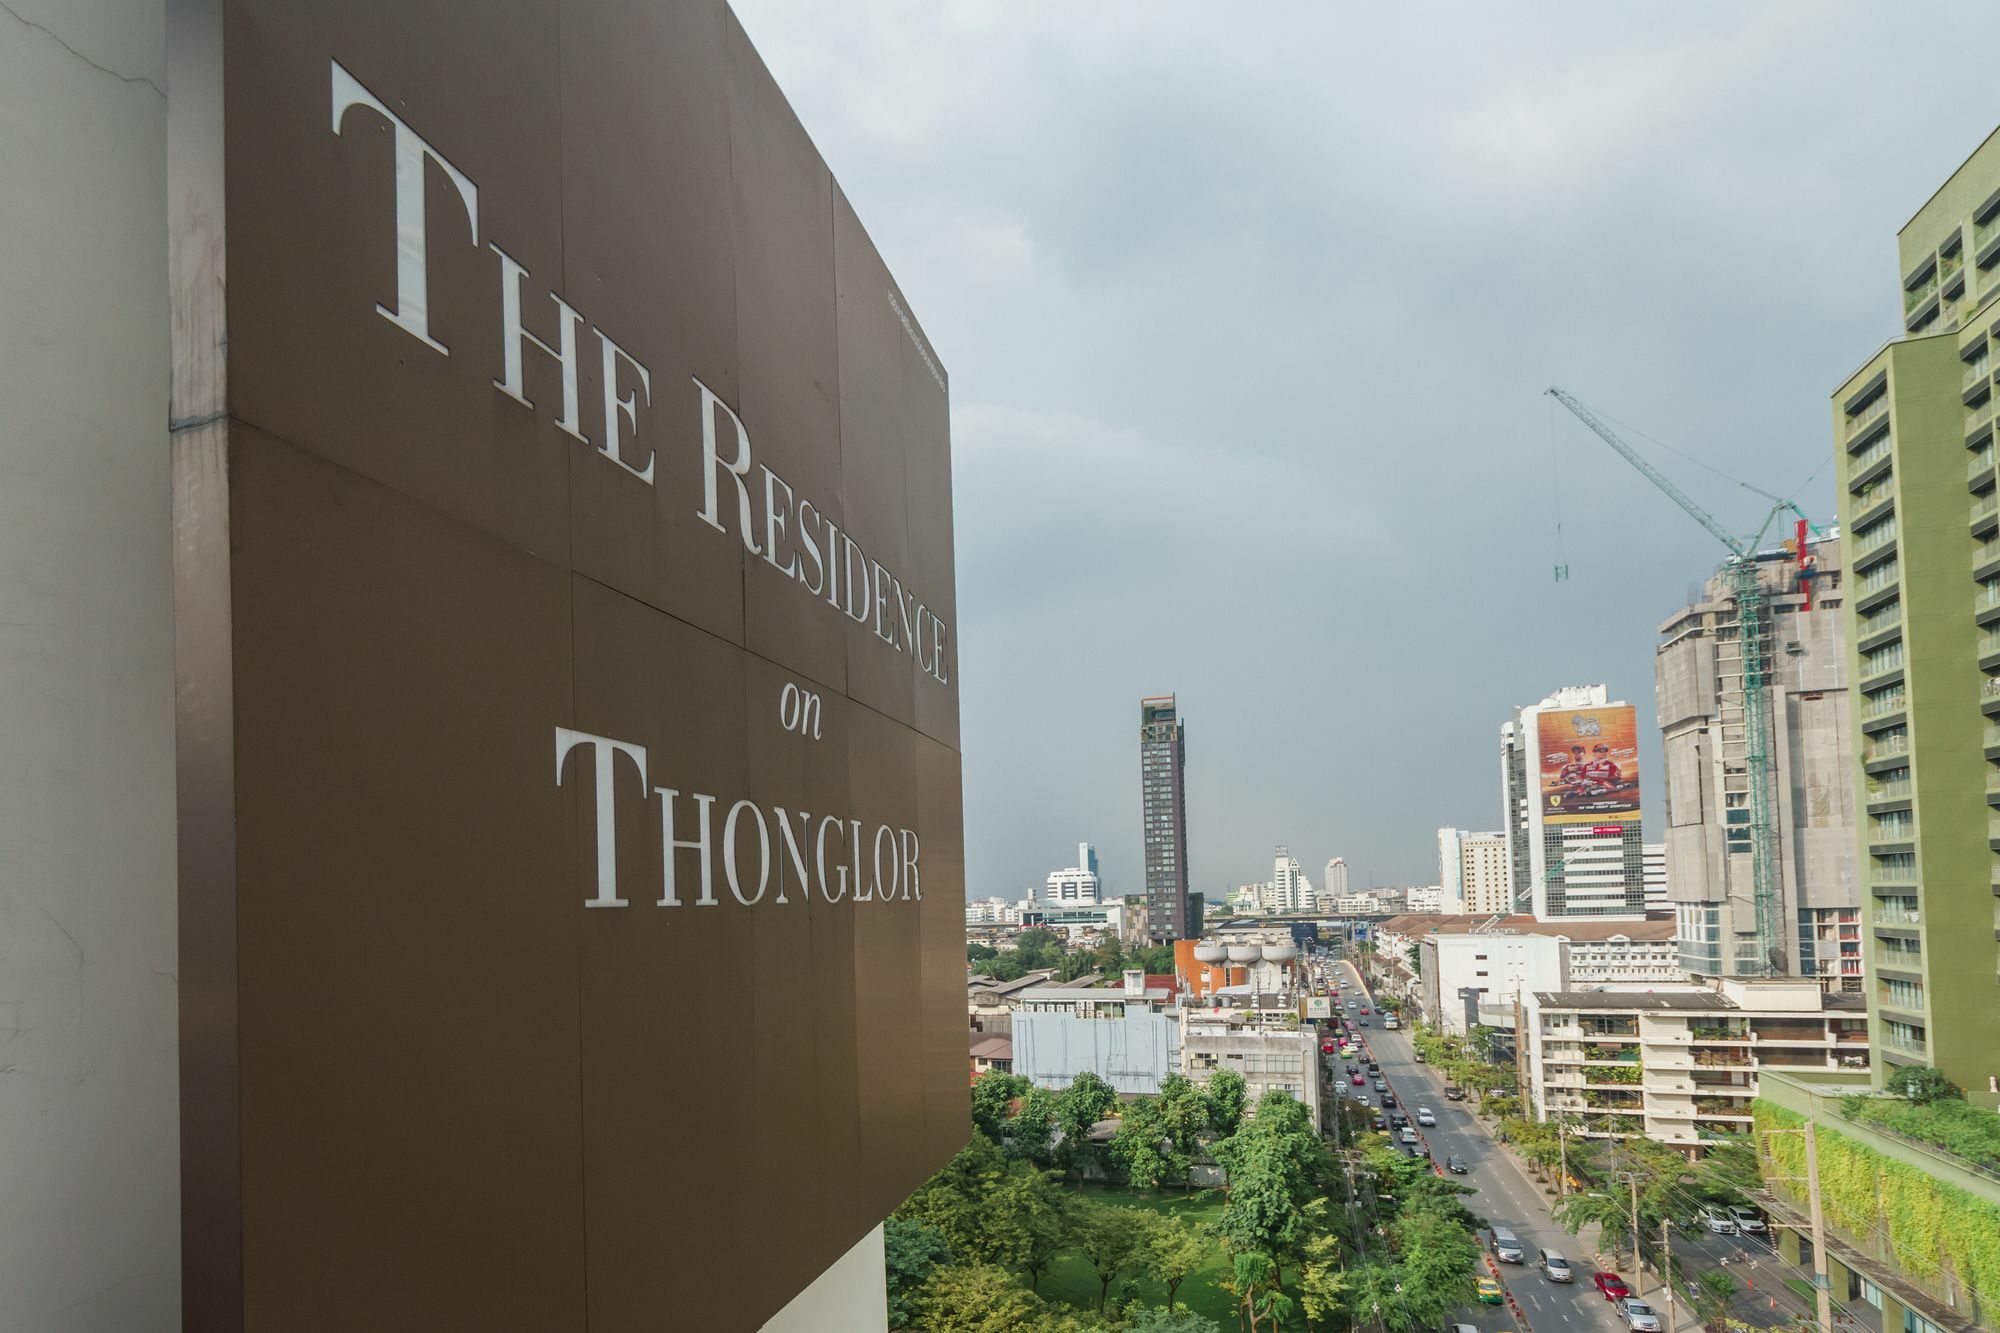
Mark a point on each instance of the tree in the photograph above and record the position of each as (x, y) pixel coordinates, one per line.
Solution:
(1031, 1221)
(1183, 1115)
(1170, 1319)
(1080, 1106)
(1142, 1148)
(1112, 1240)
(1110, 956)
(1227, 1096)
(1323, 1284)
(975, 952)
(1277, 1168)
(1711, 1294)
(1254, 1281)
(911, 1252)
(981, 1298)
(953, 1200)
(1031, 1131)
(1921, 1084)
(992, 1091)
(1173, 1250)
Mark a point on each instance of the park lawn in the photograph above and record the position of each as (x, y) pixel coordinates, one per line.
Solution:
(1070, 1278)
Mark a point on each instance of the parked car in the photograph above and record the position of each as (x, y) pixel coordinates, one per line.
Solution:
(1489, 1291)
(1747, 1218)
(1639, 1316)
(1456, 1165)
(1425, 1116)
(1556, 1268)
(1420, 1058)
(1717, 1221)
(1454, 1094)
(1407, 1135)
(1612, 1286)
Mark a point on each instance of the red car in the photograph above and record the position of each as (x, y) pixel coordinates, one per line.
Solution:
(1358, 1081)
(1613, 1287)
(1326, 1048)
(1364, 1012)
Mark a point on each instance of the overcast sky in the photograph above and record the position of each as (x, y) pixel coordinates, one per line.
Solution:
(1248, 310)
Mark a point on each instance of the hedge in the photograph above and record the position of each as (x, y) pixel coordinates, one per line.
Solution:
(1934, 1229)
(1960, 1128)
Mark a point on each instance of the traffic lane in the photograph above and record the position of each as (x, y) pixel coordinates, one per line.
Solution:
(1506, 1198)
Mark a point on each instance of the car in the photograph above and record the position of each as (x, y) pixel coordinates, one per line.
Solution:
(1718, 1222)
(1357, 1080)
(1460, 1328)
(1556, 1268)
(1454, 1094)
(1639, 1316)
(1425, 1116)
(1364, 1011)
(1420, 1058)
(1327, 1048)
(1353, 1069)
(1388, 1099)
(1456, 1165)
(1612, 1286)
(1364, 1022)
(1381, 1085)
(1374, 1068)
(1489, 1291)
(1381, 1125)
(1747, 1218)
(1407, 1135)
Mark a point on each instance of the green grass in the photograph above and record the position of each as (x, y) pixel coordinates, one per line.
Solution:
(1070, 1278)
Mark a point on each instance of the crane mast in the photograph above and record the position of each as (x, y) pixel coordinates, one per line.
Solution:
(1760, 772)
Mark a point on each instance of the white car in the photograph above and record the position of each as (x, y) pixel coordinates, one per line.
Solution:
(1639, 1316)
(1407, 1135)
(1425, 1116)
(1719, 1222)
(1747, 1219)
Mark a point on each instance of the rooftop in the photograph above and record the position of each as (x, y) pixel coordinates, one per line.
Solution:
(1653, 928)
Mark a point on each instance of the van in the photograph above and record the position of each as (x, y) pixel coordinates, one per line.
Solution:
(1507, 1247)
(1391, 1021)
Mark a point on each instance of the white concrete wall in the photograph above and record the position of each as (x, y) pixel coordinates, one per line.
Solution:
(89, 1127)
(850, 1297)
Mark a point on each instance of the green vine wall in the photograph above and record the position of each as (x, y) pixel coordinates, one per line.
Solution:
(1934, 1229)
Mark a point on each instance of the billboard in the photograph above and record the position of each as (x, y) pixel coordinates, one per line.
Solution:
(1589, 764)
(570, 822)
(1318, 1006)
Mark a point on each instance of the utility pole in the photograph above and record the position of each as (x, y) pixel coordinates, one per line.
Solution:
(1562, 1151)
(1822, 1286)
(1638, 1260)
(1667, 1267)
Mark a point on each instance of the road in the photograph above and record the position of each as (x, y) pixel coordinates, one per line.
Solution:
(1506, 1198)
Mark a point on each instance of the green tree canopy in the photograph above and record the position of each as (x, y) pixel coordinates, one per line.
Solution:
(1112, 1241)
(1141, 1146)
(912, 1251)
(991, 1093)
(1227, 1096)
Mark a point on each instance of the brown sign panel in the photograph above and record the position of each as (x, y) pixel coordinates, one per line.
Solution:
(572, 849)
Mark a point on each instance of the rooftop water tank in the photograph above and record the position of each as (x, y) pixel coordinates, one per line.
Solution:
(1208, 951)
(1280, 953)
(1245, 954)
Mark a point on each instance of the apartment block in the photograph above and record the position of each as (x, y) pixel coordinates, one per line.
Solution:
(1472, 873)
(1679, 1065)
(1163, 810)
(1699, 686)
(1914, 432)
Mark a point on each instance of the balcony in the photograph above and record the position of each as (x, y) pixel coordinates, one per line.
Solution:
(1718, 1106)
(1891, 747)
(1873, 494)
(1897, 916)
(1723, 1032)
(1986, 558)
(1983, 507)
(1877, 408)
(1884, 704)
(1974, 372)
(1980, 461)
(1989, 644)
(1889, 791)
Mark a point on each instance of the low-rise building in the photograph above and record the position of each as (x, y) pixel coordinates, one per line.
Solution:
(1576, 952)
(991, 1052)
(1128, 1034)
(1268, 1046)
(1679, 1065)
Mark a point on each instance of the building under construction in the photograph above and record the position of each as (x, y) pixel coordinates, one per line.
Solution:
(1700, 684)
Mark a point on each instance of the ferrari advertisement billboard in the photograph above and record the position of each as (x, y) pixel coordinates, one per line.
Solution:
(1589, 762)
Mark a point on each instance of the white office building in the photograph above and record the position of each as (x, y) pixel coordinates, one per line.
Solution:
(1291, 891)
(1076, 886)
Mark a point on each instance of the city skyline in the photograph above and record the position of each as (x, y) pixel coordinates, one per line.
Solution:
(1550, 178)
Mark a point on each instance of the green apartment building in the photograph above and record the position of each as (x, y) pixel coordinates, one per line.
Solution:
(1914, 432)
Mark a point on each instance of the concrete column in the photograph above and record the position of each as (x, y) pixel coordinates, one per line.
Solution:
(89, 1125)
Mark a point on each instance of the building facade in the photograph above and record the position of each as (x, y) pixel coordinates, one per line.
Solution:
(1658, 897)
(1128, 1034)
(1472, 874)
(1699, 684)
(1679, 1065)
(1163, 809)
(1914, 432)
(1077, 884)
(1291, 891)
(1334, 886)
(1569, 787)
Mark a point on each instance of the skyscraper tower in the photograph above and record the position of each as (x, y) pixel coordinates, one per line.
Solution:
(1163, 805)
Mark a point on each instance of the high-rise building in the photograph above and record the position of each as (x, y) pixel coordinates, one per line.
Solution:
(1699, 689)
(1079, 883)
(1915, 428)
(1472, 872)
(1291, 891)
(1163, 806)
(1334, 887)
(1658, 897)
(1515, 800)
(1569, 770)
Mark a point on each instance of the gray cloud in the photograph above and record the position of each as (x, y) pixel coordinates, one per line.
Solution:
(1248, 310)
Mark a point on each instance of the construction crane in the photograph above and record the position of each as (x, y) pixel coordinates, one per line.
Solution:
(1751, 620)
